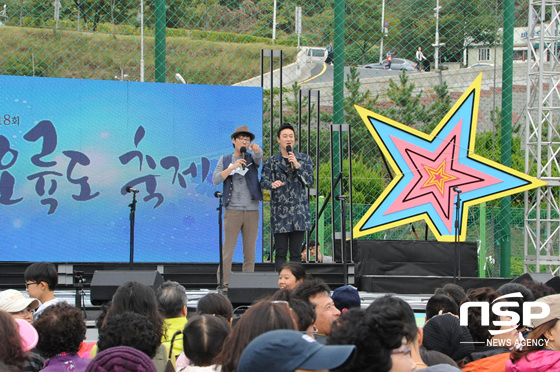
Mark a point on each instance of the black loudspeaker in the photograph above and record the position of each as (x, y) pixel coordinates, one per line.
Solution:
(104, 284)
(246, 288)
(548, 279)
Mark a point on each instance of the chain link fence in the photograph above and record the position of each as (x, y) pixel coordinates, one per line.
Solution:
(220, 42)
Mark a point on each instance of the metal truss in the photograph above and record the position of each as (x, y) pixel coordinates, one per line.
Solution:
(542, 138)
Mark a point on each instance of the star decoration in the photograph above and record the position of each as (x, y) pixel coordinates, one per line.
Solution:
(429, 168)
(438, 177)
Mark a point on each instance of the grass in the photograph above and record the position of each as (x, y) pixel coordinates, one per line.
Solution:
(84, 55)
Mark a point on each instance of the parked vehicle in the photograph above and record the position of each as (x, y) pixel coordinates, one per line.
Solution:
(396, 64)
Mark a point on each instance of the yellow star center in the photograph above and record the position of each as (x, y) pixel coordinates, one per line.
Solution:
(438, 177)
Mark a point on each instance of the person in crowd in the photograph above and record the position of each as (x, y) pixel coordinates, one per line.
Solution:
(542, 346)
(314, 253)
(483, 355)
(172, 305)
(306, 316)
(17, 305)
(291, 274)
(456, 292)
(121, 359)
(434, 360)
(527, 296)
(129, 329)
(443, 333)
(139, 298)
(420, 59)
(440, 304)
(538, 289)
(61, 328)
(390, 55)
(41, 279)
(396, 309)
(261, 317)
(382, 343)
(288, 174)
(346, 297)
(215, 304)
(13, 349)
(22, 308)
(317, 293)
(330, 54)
(204, 336)
(290, 351)
(242, 194)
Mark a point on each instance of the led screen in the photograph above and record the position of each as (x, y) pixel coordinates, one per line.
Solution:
(69, 148)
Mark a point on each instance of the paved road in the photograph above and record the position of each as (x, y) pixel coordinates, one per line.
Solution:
(324, 73)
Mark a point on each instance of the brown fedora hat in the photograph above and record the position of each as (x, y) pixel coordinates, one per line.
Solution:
(243, 129)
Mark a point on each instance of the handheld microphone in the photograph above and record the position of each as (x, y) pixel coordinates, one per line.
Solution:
(288, 150)
(218, 194)
(130, 189)
(457, 190)
(243, 151)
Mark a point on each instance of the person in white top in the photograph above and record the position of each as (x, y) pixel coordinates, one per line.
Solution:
(420, 58)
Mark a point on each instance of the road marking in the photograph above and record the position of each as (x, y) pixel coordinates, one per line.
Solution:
(316, 76)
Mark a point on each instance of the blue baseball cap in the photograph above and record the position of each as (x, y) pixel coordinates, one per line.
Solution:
(287, 350)
(346, 297)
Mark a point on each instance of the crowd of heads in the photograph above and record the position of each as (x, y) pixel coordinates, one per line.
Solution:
(304, 327)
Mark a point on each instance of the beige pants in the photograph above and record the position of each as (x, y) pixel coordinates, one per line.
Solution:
(246, 222)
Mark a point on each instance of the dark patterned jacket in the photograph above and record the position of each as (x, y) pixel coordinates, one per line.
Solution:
(289, 205)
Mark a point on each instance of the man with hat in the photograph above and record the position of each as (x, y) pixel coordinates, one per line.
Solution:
(17, 305)
(242, 193)
(284, 350)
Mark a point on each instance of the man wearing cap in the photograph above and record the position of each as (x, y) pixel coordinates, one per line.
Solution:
(242, 193)
(288, 351)
(17, 305)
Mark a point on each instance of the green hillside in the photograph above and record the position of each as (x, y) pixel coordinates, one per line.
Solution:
(88, 55)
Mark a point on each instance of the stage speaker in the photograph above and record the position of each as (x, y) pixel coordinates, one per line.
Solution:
(246, 288)
(104, 284)
(548, 279)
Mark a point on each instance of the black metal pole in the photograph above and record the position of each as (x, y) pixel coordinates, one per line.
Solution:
(219, 195)
(132, 218)
(342, 199)
(457, 271)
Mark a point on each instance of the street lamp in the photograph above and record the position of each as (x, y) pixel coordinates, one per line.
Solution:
(122, 76)
(274, 22)
(180, 78)
(383, 30)
(142, 40)
(437, 43)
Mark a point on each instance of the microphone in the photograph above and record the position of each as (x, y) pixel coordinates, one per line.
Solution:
(243, 150)
(218, 194)
(130, 189)
(342, 197)
(288, 150)
(457, 190)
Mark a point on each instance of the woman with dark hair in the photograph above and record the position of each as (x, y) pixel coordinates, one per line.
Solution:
(139, 298)
(262, 317)
(12, 353)
(382, 342)
(215, 304)
(291, 274)
(203, 339)
(61, 328)
(493, 355)
(542, 346)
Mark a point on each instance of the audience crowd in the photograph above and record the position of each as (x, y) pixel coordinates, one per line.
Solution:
(302, 327)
